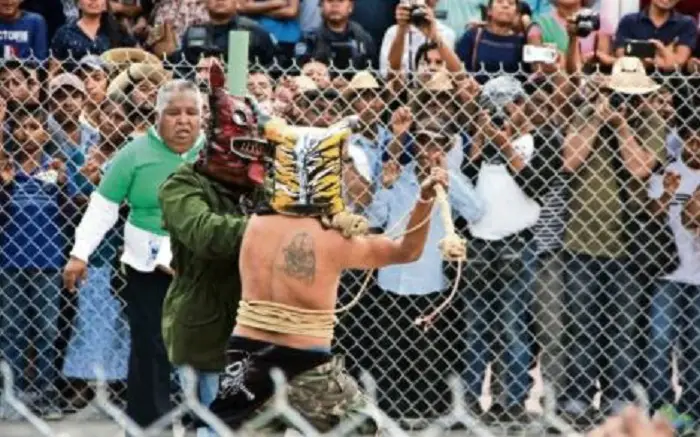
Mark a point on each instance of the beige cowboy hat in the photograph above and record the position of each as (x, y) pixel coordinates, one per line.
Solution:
(135, 73)
(437, 85)
(361, 81)
(630, 77)
(123, 57)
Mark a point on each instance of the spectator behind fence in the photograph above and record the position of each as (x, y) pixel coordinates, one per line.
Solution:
(94, 73)
(402, 40)
(513, 164)
(280, 18)
(34, 193)
(22, 33)
(340, 42)
(69, 132)
(557, 28)
(548, 233)
(260, 87)
(223, 18)
(134, 176)
(411, 373)
(100, 334)
(19, 84)
(495, 47)
(366, 98)
(611, 148)
(95, 32)
(675, 306)
(674, 35)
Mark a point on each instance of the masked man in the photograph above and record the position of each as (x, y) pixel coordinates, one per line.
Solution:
(292, 255)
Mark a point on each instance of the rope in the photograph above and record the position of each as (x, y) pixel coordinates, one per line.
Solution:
(452, 248)
(286, 319)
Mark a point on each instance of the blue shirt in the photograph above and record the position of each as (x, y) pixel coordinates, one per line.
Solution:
(639, 26)
(284, 31)
(24, 38)
(494, 53)
(32, 236)
(373, 149)
(393, 205)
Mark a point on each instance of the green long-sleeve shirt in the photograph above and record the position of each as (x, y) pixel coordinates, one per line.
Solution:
(205, 222)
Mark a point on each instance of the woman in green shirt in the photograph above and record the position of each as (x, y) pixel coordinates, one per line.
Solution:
(133, 177)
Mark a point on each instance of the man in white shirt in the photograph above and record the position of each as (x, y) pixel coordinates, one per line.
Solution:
(401, 41)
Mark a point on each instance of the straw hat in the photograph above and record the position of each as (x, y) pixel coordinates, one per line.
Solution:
(361, 81)
(135, 73)
(630, 77)
(123, 57)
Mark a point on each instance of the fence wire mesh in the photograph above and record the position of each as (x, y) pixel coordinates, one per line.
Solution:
(578, 197)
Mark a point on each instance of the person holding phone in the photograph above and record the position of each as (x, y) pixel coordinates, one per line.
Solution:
(663, 38)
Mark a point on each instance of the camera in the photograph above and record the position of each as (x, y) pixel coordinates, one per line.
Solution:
(586, 21)
(199, 42)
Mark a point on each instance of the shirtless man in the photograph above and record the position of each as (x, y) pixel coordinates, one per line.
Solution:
(290, 267)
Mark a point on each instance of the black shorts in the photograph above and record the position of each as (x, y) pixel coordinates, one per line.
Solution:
(246, 385)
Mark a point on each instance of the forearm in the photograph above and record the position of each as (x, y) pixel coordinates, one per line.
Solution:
(396, 49)
(638, 161)
(573, 56)
(100, 217)
(288, 12)
(660, 206)
(452, 62)
(414, 239)
(252, 7)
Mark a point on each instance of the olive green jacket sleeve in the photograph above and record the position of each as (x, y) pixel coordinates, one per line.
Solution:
(189, 219)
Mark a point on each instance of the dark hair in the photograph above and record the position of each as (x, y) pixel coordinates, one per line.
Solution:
(21, 113)
(490, 3)
(109, 24)
(423, 50)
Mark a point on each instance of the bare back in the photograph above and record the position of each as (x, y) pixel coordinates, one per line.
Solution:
(290, 261)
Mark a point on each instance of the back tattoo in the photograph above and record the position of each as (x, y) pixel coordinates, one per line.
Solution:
(300, 258)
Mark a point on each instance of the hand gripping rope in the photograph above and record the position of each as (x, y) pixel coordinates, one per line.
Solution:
(452, 248)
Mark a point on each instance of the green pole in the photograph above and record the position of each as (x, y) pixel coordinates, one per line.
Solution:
(238, 42)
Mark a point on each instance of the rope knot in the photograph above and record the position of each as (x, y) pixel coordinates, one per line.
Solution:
(347, 223)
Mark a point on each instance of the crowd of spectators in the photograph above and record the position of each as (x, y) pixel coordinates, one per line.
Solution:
(575, 181)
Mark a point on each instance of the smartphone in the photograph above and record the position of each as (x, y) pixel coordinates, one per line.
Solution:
(640, 49)
(544, 54)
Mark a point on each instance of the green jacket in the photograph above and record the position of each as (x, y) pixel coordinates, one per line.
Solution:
(206, 225)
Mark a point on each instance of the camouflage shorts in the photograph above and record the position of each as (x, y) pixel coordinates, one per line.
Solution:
(327, 395)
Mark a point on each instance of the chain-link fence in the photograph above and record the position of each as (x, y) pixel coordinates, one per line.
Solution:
(577, 195)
